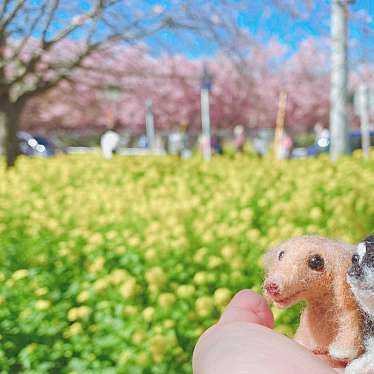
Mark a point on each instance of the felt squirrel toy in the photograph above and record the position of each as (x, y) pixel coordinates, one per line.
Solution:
(361, 279)
(314, 269)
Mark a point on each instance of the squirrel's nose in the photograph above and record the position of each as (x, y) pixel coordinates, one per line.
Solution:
(272, 289)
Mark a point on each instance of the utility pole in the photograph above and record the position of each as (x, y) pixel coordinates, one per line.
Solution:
(150, 124)
(339, 78)
(206, 86)
(364, 110)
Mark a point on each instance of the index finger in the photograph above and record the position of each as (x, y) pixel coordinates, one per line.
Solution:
(248, 306)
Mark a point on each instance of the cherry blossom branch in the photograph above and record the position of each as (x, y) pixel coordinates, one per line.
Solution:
(5, 21)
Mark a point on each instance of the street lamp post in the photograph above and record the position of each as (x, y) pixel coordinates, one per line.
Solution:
(206, 86)
(150, 124)
(364, 113)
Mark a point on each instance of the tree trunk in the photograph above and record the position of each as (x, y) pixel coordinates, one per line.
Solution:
(12, 113)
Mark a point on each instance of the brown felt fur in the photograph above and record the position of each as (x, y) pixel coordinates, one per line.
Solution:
(331, 321)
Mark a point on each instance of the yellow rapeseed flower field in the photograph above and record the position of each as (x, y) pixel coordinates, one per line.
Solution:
(118, 266)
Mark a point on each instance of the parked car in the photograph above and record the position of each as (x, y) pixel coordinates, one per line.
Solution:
(35, 145)
(355, 139)
(322, 145)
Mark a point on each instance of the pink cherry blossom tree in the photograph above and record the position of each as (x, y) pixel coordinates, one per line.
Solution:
(57, 58)
(47, 42)
(248, 97)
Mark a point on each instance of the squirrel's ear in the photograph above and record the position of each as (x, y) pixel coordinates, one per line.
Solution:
(268, 258)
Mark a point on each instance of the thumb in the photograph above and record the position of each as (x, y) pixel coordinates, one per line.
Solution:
(248, 306)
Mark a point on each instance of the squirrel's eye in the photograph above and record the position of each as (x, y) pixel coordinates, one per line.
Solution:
(281, 254)
(355, 259)
(316, 262)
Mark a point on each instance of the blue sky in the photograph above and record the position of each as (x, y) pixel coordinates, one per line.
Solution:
(264, 21)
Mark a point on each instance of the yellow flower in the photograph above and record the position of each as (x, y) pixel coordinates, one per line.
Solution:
(228, 251)
(138, 337)
(200, 278)
(150, 254)
(204, 306)
(41, 291)
(118, 276)
(155, 276)
(222, 296)
(42, 304)
(73, 314)
(237, 262)
(315, 214)
(19, 274)
(214, 261)
(97, 265)
(83, 296)
(74, 329)
(158, 345)
(78, 313)
(200, 255)
(25, 313)
(253, 235)
(185, 290)
(101, 284)
(148, 313)
(129, 288)
(169, 323)
(120, 250)
(166, 299)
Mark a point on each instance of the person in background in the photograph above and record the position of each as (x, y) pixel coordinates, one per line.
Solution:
(203, 142)
(321, 132)
(239, 138)
(142, 141)
(175, 142)
(185, 152)
(286, 147)
(109, 142)
(217, 145)
(159, 145)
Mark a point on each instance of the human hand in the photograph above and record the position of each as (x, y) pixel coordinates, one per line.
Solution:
(243, 342)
